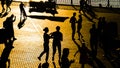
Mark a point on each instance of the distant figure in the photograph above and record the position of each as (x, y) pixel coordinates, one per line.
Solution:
(57, 38)
(73, 21)
(79, 26)
(82, 4)
(65, 62)
(2, 4)
(22, 11)
(8, 25)
(93, 40)
(88, 2)
(84, 53)
(8, 3)
(100, 29)
(46, 44)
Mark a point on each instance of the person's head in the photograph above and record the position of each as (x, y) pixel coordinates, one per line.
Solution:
(65, 52)
(57, 28)
(46, 29)
(45, 65)
(74, 14)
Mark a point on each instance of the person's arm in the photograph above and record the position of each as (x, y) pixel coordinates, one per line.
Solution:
(76, 53)
(70, 20)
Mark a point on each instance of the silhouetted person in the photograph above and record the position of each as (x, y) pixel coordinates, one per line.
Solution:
(84, 53)
(82, 4)
(88, 2)
(109, 38)
(5, 54)
(8, 3)
(93, 40)
(99, 28)
(2, 4)
(79, 26)
(73, 26)
(45, 44)
(65, 62)
(8, 25)
(57, 38)
(22, 11)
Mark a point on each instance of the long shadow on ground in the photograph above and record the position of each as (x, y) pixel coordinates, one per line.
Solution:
(52, 18)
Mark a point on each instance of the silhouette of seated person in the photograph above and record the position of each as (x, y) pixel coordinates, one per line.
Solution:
(65, 62)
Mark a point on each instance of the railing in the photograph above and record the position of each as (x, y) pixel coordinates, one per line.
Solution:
(104, 3)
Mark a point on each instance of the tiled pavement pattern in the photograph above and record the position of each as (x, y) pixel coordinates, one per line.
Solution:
(29, 43)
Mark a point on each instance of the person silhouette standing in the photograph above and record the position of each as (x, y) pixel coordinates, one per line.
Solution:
(94, 40)
(57, 38)
(2, 4)
(8, 3)
(22, 11)
(73, 26)
(79, 26)
(46, 44)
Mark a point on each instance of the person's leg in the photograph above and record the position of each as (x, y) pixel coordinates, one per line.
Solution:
(54, 50)
(41, 55)
(59, 50)
(47, 54)
(73, 33)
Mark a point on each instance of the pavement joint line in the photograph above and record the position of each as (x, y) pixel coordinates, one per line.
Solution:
(36, 28)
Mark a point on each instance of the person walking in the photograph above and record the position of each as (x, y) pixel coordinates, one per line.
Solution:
(94, 40)
(79, 26)
(57, 38)
(73, 25)
(22, 11)
(45, 44)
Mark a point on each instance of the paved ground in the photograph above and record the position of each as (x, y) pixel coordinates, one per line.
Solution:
(29, 43)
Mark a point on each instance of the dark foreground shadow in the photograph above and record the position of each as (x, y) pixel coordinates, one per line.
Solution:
(92, 61)
(5, 54)
(60, 19)
(44, 65)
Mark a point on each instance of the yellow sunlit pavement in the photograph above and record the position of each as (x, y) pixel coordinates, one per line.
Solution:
(29, 43)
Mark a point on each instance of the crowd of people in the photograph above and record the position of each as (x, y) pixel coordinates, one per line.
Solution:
(99, 36)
